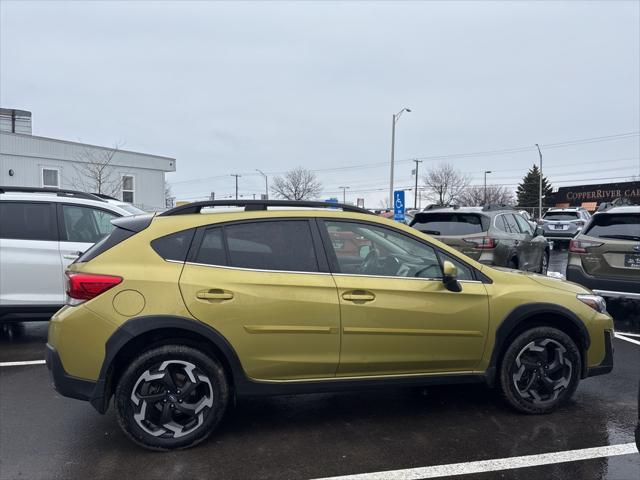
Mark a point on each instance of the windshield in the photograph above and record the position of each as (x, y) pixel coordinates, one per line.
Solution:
(615, 224)
(557, 216)
(450, 223)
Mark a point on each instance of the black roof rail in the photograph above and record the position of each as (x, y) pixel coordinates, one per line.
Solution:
(490, 207)
(106, 197)
(255, 205)
(60, 192)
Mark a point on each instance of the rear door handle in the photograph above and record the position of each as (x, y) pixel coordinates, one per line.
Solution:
(359, 296)
(72, 256)
(214, 295)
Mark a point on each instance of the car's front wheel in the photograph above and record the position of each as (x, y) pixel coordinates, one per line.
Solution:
(172, 396)
(540, 370)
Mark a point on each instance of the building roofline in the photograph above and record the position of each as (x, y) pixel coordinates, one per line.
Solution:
(86, 145)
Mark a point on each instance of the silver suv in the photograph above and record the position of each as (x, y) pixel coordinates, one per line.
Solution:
(563, 223)
(42, 230)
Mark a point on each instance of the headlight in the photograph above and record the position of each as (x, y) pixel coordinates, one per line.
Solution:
(594, 301)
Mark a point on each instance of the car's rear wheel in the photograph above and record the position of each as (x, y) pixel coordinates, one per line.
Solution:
(171, 397)
(540, 370)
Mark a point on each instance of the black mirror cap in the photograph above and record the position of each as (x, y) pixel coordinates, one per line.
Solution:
(452, 284)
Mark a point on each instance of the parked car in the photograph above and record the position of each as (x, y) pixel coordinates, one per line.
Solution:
(563, 223)
(41, 232)
(176, 314)
(493, 235)
(605, 256)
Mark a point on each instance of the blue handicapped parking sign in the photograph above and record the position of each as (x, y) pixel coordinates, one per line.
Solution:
(398, 205)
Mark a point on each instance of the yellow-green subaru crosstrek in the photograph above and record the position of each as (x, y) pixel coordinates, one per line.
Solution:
(176, 314)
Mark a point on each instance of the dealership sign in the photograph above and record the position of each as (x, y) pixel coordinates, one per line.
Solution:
(606, 192)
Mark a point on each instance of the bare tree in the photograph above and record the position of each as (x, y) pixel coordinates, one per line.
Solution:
(297, 184)
(496, 194)
(94, 172)
(444, 185)
(169, 199)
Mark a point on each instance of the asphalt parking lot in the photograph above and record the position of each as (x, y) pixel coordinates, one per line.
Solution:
(397, 433)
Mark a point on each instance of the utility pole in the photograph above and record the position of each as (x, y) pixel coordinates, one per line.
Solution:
(395, 119)
(236, 175)
(344, 194)
(266, 183)
(540, 191)
(415, 198)
(485, 186)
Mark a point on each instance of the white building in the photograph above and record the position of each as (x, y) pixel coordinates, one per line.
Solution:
(30, 161)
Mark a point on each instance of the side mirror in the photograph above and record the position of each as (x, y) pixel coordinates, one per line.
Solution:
(539, 231)
(450, 277)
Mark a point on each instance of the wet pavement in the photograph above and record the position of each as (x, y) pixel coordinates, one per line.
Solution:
(46, 436)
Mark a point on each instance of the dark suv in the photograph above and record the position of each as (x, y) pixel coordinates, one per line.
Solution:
(605, 256)
(493, 235)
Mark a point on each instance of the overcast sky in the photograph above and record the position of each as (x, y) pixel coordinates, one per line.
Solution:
(230, 87)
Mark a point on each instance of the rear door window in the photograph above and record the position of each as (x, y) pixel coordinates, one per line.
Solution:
(28, 221)
(272, 245)
(511, 223)
(450, 223)
(211, 251)
(615, 225)
(85, 224)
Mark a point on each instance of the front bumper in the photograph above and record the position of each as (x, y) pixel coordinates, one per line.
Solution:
(70, 386)
(607, 363)
(605, 286)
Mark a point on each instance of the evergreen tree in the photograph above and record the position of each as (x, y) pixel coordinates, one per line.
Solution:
(529, 189)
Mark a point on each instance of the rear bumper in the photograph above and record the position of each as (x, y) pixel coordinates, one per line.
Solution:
(70, 386)
(607, 363)
(559, 235)
(27, 313)
(605, 286)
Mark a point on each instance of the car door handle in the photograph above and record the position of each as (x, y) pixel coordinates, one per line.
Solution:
(72, 256)
(214, 295)
(359, 296)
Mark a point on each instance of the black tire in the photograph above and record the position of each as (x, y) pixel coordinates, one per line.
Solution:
(540, 370)
(172, 411)
(544, 263)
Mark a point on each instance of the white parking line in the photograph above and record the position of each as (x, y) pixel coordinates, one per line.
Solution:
(627, 334)
(627, 339)
(495, 465)
(17, 364)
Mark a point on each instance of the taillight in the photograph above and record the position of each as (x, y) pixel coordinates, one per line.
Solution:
(482, 243)
(85, 286)
(580, 246)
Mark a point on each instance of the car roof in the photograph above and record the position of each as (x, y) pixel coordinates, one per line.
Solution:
(621, 209)
(52, 197)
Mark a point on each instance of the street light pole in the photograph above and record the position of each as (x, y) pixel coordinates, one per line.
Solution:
(344, 194)
(485, 186)
(236, 175)
(266, 183)
(395, 119)
(540, 189)
(415, 198)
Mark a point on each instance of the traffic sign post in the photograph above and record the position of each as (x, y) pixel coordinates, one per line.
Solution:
(398, 205)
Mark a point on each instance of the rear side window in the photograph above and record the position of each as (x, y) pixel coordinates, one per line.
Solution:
(615, 225)
(274, 245)
(174, 246)
(450, 223)
(211, 251)
(27, 221)
(510, 221)
(560, 216)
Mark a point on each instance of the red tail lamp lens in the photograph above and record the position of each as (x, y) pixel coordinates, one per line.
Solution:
(85, 286)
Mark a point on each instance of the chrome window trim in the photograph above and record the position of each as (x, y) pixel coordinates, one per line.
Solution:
(250, 269)
(316, 273)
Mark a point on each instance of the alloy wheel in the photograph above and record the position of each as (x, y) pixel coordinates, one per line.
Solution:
(542, 371)
(171, 399)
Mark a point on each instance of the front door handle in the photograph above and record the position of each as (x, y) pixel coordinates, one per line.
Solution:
(359, 296)
(214, 295)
